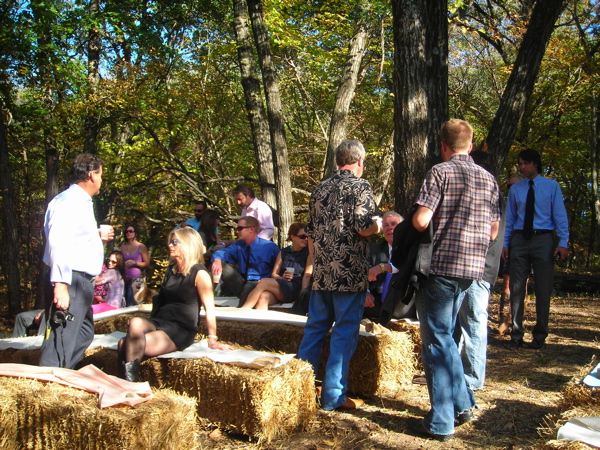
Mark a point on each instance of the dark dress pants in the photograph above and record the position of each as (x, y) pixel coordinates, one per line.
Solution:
(68, 341)
(235, 285)
(536, 253)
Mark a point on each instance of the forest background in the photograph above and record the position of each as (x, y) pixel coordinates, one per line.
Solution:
(184, 100)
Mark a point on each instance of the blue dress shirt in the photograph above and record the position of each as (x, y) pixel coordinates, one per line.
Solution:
(263, 254)
(550, 212)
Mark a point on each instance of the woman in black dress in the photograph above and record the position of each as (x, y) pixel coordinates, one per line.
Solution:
(174, 319)
(284, 285)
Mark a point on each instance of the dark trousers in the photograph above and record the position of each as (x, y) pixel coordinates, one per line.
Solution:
(68, 342)
(235, 285)
(536, 253)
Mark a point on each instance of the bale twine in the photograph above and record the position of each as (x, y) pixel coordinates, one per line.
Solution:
(380, 366)
(262, 403)
(51, 416)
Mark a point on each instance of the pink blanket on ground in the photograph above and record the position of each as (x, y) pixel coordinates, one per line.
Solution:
(111, 390)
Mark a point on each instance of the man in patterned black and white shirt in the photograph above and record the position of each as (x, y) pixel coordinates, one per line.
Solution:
(339, 222)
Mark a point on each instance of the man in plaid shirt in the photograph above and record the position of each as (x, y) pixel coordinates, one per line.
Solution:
(462, 202)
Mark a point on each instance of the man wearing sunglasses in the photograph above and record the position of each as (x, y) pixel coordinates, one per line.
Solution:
(194, 222)
(254, 258)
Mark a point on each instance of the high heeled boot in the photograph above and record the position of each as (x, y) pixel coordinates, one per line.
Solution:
(504, 310)
(130, 370)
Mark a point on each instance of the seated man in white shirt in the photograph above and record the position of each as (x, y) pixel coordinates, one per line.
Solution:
(251, 206)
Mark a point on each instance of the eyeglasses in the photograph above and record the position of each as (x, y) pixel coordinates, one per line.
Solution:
(302, 236)
(174, 242)
(111, 261)
(129, 231)
(240, 228)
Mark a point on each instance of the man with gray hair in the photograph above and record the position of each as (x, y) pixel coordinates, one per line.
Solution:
(382, 269)
(340, 219)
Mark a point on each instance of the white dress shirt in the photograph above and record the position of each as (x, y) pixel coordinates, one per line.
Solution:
(262, 212)
(72, 238)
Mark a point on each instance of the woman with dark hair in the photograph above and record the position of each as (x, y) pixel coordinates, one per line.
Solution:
(136, 258)
(174, 319)
(286, 280)
(209, 232)
(113, 280)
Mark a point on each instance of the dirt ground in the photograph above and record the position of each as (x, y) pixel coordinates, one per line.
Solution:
(522, 388)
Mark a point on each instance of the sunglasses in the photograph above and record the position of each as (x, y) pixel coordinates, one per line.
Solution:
(198, 210)
(240, 228)
(111, 261)
(302, 236)
(174, 242)
(129, 231)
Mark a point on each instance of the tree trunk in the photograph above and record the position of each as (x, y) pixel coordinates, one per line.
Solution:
(11, 237)
(522, 80)
(285, 204)
(595, 225)
(421, 92)
(382, 179)
(347, 89)
(254, 103)
(90, 143)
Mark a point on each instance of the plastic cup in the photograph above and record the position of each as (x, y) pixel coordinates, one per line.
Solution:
(216, 278)
(104, 230)
(290, 270)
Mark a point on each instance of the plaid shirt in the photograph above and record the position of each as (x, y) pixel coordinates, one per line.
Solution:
(465, 200)
(340, 207)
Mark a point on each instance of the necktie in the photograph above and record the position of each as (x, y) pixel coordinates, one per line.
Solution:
(529, 210)
(247, 268)
(386, 285)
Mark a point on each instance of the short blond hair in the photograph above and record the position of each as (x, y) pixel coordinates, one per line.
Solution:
(457, 134)
(190, 246)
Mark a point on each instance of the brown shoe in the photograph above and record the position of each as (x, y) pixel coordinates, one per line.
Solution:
(504, 326)
(351, 403)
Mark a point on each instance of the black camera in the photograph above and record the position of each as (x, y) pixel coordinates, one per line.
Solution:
(61, 317)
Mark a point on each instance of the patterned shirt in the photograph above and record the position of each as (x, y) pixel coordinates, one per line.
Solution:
(340, 207)
(465, 200)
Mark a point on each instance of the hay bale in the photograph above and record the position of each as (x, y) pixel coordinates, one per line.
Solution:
(103, 358)
(19, 356)
(259, 403)
(380, 365)
(52, 416)
(575, 394)
(415, 334)
(576, 400)
(117, 323)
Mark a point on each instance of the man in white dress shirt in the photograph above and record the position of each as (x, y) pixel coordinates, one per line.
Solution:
(74, 254)
(251, 206)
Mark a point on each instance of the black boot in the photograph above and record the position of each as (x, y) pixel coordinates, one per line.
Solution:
(131, 370)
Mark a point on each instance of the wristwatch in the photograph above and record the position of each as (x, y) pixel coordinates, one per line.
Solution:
(382, 266)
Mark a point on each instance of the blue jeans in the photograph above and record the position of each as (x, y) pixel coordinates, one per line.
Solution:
(438, 303)
(471, 333)
(344, 311)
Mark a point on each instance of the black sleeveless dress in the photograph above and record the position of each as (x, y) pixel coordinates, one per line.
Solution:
(177, 311)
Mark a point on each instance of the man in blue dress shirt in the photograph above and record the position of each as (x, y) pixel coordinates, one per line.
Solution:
(529, 234)
(253, 256)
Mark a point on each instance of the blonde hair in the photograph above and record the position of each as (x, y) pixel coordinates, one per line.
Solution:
(457, 134)
(190, 246)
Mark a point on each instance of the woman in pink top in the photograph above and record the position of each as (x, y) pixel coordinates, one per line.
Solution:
(136, 258)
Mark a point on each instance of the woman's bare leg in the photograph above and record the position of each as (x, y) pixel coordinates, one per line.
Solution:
(266, 284)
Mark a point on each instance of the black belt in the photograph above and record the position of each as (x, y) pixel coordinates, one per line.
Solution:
(85, 275)
(536, 232)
